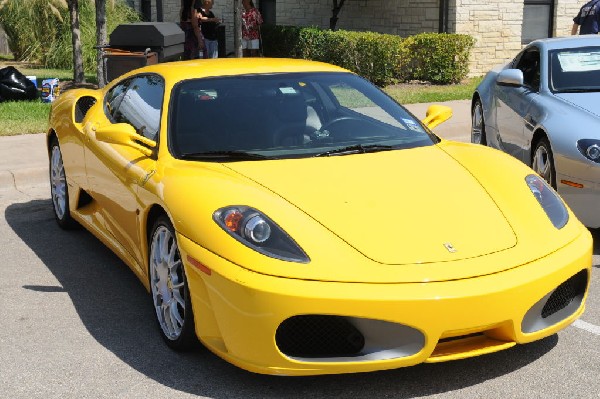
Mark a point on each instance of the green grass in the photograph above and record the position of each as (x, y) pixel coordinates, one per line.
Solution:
(25, 117)
(427, 93)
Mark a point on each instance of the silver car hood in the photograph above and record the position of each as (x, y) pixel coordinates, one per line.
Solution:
(589, 102)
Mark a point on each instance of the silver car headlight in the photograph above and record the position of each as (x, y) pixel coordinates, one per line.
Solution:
(255, 230)
(551, 203)
(590, 149)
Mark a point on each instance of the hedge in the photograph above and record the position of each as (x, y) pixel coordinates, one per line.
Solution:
(382, 58)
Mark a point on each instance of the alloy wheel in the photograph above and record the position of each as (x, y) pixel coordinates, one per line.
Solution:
(58, 184)
(167, 282)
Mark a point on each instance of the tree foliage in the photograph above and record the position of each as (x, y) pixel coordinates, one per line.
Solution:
(39, 30)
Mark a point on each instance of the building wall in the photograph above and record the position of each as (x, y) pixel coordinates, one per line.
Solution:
(496, 27)
(404, 17)
(564, 12)
(495, 24)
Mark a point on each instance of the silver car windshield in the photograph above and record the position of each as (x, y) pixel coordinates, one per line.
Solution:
(256, 117)
(575, 70)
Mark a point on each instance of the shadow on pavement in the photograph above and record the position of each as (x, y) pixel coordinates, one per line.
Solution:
(116, 310)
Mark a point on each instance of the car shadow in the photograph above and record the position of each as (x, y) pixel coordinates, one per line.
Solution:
(116, 310)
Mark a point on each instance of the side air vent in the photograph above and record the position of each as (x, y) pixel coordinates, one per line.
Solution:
(82, 107)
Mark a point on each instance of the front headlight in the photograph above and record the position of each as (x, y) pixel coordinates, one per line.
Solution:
(590, 149)
(549, 200)
(255, 230)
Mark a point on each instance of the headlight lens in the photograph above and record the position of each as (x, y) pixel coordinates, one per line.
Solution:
(257, 231)
(549, 200)
(590, 149)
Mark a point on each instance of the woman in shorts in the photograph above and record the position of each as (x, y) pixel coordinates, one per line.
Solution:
(251, 21)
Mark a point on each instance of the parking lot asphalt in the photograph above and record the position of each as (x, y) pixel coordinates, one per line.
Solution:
(24, 159)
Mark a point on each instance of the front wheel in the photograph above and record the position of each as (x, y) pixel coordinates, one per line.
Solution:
(169, 288)
(58, 188)
(543, 161)
(477, 124)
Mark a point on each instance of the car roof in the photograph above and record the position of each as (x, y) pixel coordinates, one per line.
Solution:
(575, 41)
(191, 69)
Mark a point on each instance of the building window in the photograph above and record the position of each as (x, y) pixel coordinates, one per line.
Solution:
(537, 20)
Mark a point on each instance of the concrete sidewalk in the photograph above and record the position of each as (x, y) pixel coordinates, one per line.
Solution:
(24, 159)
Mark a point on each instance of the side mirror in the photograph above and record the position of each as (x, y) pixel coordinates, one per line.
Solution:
(125, 134)
(437, 114)
(510, 77)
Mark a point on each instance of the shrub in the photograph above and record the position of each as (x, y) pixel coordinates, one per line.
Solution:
(382, 58)
(439, 57)
(40, 30)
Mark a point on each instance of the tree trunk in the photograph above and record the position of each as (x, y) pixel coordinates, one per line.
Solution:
(334, 13)
(100, 40)
(237, 27)
(78, 73)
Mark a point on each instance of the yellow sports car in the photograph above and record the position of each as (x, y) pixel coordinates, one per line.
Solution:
(296, 220)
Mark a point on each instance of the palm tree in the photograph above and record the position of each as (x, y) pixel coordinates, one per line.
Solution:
(78, 72)
(100, 39)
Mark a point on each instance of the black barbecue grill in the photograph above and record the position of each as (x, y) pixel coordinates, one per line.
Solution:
(139, 44)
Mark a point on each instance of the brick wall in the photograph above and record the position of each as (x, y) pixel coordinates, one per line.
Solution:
(564, 12)
(496, 27)
(495, 24)
(397, 17)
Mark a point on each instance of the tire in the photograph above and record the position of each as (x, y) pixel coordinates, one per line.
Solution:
(59, 192)
(542, 161)
(477, 124)
(169, 288)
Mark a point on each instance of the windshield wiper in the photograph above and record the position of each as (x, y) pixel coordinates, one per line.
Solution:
(233, 155)
(356, 149)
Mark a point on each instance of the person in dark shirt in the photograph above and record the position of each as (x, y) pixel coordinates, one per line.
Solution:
(208, 24)
(587, 20)
(190, 24)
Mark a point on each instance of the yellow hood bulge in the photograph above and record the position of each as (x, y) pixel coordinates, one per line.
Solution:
(380, 214)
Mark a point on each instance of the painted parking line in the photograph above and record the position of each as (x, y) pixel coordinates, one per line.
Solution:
(589, 327)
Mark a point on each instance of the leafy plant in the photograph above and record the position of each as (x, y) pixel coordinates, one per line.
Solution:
(40, 31)
(382, 58)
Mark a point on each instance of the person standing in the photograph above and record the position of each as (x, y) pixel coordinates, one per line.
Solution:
(190, 25)
(587, 20)
(251, 21)
(208, 24)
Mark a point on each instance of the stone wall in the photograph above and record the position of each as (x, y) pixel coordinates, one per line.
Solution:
(564, 12)
(406, 17)
(495, 24)
(496, 27)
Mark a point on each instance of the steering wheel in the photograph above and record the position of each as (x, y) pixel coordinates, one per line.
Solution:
(343, 127)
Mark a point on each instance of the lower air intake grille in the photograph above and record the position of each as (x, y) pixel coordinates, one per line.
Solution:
(565, 293)
(319, 336)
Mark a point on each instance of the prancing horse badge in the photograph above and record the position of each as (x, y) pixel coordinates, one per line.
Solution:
(449, 247)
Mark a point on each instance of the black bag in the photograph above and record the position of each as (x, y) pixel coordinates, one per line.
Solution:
(14, 86)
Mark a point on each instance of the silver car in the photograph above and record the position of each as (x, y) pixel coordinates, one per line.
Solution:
(543, 108)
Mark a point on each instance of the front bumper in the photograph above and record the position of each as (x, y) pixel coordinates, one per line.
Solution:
(240, 314)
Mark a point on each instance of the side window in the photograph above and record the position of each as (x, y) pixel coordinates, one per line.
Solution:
(141, 105)
(530, 65)
(113, 100)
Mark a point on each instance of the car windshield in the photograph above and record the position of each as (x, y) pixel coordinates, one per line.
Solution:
(575, 70)
(291, 115)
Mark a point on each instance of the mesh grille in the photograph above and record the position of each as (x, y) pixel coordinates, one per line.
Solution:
(316, 336)
(565, 293)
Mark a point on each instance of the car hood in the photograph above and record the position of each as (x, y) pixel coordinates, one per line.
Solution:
(398, 207)
(589, 102)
